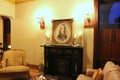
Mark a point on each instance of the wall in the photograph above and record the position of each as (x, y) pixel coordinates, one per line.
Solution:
(7, 9)
(27, 35)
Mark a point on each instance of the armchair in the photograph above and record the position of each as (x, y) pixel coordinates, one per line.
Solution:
(14, 64)
(111, 71)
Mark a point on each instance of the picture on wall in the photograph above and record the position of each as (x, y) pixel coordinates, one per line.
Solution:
(62, 32)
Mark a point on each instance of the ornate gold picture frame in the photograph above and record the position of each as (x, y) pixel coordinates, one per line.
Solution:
(62, 33)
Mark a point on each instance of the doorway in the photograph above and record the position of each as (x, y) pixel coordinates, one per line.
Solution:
(6, 32)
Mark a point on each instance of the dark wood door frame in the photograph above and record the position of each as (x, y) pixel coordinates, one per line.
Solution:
(95, 33)
(6, 32)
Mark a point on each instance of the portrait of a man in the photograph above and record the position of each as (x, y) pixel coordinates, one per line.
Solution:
(62, 33)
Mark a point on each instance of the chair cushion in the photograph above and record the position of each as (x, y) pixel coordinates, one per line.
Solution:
(14, 61)
(11, 69)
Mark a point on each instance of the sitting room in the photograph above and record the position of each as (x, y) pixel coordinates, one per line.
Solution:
(61, 39)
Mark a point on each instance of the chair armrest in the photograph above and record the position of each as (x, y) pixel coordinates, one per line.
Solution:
(90, 72)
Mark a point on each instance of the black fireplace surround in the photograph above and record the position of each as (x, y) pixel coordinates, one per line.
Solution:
(63, 60)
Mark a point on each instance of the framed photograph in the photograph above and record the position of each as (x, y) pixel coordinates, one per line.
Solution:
(62, 33)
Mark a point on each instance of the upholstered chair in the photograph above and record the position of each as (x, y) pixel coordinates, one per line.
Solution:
(14, 64)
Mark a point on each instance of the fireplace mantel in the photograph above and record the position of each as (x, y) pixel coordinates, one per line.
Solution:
(63, 60)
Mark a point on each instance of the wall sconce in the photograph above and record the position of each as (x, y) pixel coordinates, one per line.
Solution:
(87, 21)
(41, 21)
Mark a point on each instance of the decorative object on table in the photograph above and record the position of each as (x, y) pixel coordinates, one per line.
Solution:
(77, 41)
(80, 38)
(62, 32)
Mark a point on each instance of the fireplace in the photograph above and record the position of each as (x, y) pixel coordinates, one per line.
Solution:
(63, 60)
(61, 65)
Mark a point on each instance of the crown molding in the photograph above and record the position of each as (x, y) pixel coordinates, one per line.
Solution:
(22, 1)
(18, 1)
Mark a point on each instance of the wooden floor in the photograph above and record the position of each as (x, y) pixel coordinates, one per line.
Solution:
(35, 72)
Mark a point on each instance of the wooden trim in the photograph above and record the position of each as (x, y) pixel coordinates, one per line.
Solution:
(95, 34)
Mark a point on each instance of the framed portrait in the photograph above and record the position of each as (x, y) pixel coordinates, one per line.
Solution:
(62, 33)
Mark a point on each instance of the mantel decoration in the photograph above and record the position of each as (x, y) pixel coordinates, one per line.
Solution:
(62, 32)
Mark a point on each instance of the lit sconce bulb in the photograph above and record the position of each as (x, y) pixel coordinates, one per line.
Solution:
(79, 41)
(48, 34)
(80, 33)
(87, 20)
(75, 40)
(9, 46)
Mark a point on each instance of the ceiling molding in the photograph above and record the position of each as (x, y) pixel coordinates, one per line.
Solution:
(22, 1)
(18, 1)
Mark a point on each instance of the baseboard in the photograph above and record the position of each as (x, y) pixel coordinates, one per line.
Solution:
(33, 66)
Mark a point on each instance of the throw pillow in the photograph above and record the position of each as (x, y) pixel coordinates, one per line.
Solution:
(10, 62)
(94, 75)
(98, 74)
(14, 61)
